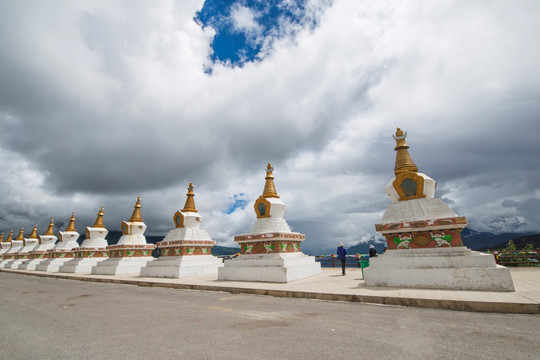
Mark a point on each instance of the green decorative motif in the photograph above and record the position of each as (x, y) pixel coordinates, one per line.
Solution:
(130, 253)
(295, 247)
(402, 241)
(204, 251)
(442, 239)
(190, 251)
(284, 246)
(269, 248)
(248, 248)
(178, 251)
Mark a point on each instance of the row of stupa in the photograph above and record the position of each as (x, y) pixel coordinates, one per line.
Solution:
(423, 236)
(270, 253)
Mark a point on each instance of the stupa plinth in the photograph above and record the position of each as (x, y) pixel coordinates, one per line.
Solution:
(63, 250)
(92, 250)
(423, 236)
(11, 255)
(271, 252)
(132, 252)
(29, 244)
(186, 250)
(39, 254)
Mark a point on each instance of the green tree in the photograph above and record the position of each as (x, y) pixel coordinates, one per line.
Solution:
(510, 246)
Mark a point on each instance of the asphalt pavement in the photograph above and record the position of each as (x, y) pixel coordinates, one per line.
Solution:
(53, 318)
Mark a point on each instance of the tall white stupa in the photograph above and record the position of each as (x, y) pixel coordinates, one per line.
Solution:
(63, 250)
(186, 250)
(132, 252)
(10, 255)
(423, 235)
(92, 250)
(39, 254)
(271, 252)
(30, 243)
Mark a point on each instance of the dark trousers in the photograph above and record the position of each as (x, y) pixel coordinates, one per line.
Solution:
(343, 262)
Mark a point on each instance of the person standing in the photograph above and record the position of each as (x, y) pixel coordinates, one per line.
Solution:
(372, 251)
(342, 254)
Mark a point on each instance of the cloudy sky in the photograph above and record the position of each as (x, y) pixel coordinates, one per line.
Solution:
(102, 101)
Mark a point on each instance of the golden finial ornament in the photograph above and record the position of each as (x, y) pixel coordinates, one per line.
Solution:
(33, 235)
(136, 216)
(50, 229)
(21, 234)
(269, 187)
(71, 225)
(99, 219)
(403, 159)
(2, 237)
(10, 236)
(190, 202)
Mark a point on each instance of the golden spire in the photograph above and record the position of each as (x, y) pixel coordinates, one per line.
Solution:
(10, 236)
(269, 188)
(403, 159)
(99, 219)
(136, 216)
(21, 234)
(2, 237)
(71, 225)
(190, 203)
(33, 235)
(50, 230)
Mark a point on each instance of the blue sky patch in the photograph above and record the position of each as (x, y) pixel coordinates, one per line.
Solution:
(246, 29)
(238, 202)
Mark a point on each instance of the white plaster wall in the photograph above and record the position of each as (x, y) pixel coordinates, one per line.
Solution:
(417, 209)
(96, 239)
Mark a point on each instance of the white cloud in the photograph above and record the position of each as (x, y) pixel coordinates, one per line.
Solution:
(101, 102)
(244, 19)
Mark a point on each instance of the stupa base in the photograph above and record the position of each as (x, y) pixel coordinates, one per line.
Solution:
(15, 264)
(6, 264)
(182, 266)
(278, 268)
(31, 264)
(80, 265)
(52, 264)
(121, 265)
(456, 268)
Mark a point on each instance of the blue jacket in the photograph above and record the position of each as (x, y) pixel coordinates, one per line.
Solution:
(342, 253)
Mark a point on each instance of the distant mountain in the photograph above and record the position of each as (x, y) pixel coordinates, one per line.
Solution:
(475, 240)
(363, 248)
(520, 242)
(224, 250)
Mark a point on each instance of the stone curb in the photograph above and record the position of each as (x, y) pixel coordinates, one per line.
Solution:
(448, 304)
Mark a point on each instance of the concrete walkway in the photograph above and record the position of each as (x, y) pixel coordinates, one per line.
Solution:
(330, 285)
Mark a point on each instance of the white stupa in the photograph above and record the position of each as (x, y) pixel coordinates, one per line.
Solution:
(10, 255)
(63, 250)
(186, 250)
(5, 244)
(132, 252)
(39, 254)
(423, 235)
(30, 243)
(271, 252)
(92, 250)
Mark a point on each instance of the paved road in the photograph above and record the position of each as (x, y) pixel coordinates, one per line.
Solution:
(46, 318)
